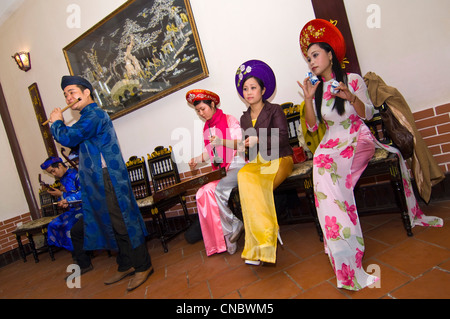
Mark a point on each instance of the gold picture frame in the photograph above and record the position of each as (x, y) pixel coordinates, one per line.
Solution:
(140, 53)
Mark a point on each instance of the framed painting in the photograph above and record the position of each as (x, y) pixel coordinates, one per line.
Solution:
(141, 52)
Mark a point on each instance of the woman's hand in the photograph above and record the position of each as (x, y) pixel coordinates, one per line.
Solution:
(344, 92)
(216, 141)
(192, 163)
(358, 105)
(309, 92)
(251, 141)
(308, 89)
(198, 159)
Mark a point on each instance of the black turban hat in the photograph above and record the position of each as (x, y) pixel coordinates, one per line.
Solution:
(75, 80)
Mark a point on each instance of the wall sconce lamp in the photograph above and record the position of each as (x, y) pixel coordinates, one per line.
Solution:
(23, 60)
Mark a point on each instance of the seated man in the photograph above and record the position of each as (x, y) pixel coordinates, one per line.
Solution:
(59, 229)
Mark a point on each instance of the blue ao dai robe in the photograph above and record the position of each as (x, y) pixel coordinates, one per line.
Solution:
(95, 135)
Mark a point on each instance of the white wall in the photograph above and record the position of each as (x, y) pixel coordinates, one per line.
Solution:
(12, 198)
(410, 51)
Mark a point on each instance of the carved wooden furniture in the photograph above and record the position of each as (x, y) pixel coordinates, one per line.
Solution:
(49, 211)
(194, 182)
(164, 173)
(38, 226)
(140, 184)
(137, 171)
(168, 190)
(47, 202)
(292, 113)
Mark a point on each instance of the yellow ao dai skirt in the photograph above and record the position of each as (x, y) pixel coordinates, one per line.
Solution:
(256, 182)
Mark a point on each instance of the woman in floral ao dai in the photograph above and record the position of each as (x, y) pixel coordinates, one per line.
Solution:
(339, 161)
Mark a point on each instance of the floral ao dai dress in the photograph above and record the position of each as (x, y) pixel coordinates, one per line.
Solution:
(344, 152)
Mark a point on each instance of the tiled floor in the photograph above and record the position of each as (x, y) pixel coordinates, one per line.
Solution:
(409, 267)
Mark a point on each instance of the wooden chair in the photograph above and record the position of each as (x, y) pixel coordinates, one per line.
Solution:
(137, 171)
(163, 170)
(47, 202)
(292, 113)
(164, 173)
(140, 184)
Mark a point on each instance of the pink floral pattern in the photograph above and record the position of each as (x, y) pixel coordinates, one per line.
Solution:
(354, 85)
(346, 275)
(358, 257)
(327, 94)
(331, 228)
(348, 152)
(349, 181)
(406, 188)
(324, 161)
(351, 211)
(330, 143)
(355, 123)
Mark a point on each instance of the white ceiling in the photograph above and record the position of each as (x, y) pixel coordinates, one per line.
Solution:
(7, 8)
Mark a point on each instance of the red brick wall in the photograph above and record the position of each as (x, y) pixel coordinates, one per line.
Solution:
(7, 239)
(434, 125)
(190, 196)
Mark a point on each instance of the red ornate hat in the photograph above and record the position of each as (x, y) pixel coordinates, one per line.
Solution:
(202, 95)
(319, 30)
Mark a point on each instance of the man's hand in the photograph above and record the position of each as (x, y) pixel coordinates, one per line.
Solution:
(56, 115)
(54, 192)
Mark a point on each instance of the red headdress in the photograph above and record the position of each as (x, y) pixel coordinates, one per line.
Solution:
(319, 30)
(202, 95)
